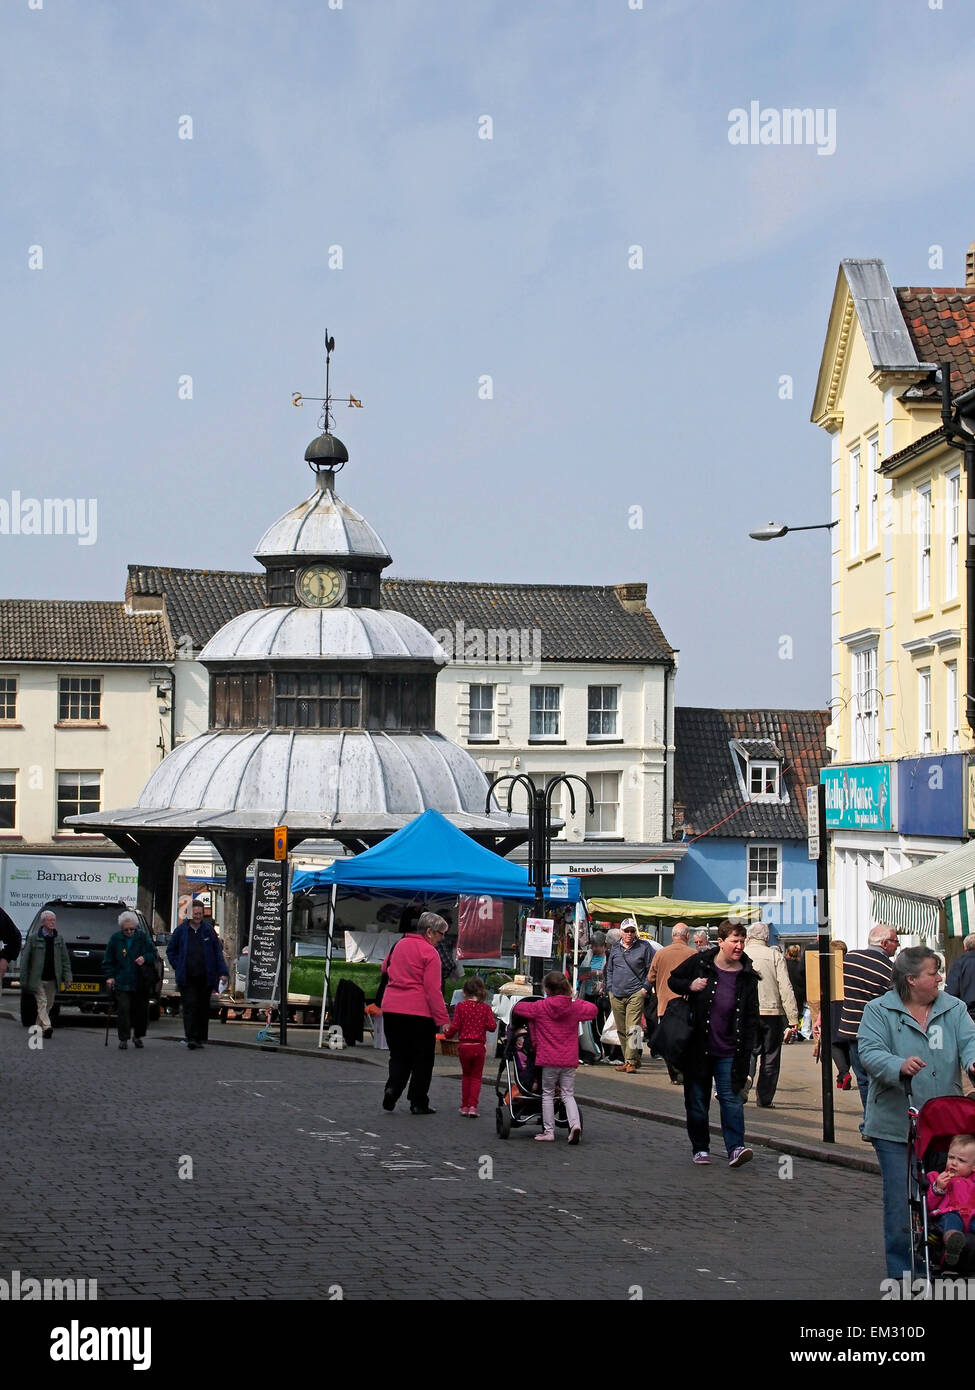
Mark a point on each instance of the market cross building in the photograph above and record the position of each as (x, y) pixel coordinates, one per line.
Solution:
(321, 718)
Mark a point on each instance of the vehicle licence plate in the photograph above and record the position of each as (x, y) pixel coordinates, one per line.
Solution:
(84, 987)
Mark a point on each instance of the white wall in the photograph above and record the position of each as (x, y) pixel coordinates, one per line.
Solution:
(642, 725)
(123, 747)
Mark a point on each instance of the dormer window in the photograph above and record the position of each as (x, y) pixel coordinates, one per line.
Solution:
(763, 781)
(758, 764)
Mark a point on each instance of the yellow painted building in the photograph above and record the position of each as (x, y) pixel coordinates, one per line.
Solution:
(898, 497)
(897, 584)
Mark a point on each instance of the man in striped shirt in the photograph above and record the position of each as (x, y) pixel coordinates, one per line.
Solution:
(866, 975)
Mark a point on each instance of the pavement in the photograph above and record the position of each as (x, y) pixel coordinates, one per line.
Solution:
(238, 1172)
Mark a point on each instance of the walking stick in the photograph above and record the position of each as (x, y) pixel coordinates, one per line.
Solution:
(108, 1018)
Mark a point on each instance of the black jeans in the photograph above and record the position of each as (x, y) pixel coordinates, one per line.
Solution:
(194, 999)
(132, 1006)
(412, 1045)
(767, 1056)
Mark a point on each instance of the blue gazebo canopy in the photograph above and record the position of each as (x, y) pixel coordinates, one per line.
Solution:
(432, 856)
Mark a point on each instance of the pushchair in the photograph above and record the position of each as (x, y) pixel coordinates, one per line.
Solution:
(930, 1132)
(519, 1084)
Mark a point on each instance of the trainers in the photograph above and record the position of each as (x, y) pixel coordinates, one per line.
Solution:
(739, 1156)
(472, 1113)
(702, 1156)
(954, 1248)
(575, 1136)
(544, 1138)
(122, 1046)
(844, 1082)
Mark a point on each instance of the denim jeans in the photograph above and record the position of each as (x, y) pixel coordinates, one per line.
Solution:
(697, 1102)
(863, 1077)
(892, 1158)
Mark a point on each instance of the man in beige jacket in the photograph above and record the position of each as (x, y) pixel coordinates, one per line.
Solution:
(663, 963)
(777, 1008)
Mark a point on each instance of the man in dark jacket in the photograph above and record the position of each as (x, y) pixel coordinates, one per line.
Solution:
(722, 990)
(961, 976)
(128, 951)
(627, 971)
(197, 960)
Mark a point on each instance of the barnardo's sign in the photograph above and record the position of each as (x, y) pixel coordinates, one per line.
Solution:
(858, 798)
(28, 881)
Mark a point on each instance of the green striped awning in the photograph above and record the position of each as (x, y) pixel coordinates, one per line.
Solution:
(933, 899)
(960, 913)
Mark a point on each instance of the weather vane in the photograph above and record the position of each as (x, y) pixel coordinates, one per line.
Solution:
(326, 417)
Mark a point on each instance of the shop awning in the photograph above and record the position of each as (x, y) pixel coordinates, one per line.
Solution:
(931, 900)
(674, 910)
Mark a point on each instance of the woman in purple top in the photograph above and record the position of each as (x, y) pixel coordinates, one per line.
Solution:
(722, 990)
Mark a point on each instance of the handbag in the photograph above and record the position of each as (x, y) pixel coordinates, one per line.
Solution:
(384, 978)
(674, 1031)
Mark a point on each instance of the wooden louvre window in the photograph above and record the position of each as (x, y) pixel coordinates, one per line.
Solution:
(241, 700)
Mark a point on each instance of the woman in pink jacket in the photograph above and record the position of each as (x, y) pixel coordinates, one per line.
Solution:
(554, 1023)
(413, 1006)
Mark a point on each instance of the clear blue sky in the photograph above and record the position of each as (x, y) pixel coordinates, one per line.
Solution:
(463, 257)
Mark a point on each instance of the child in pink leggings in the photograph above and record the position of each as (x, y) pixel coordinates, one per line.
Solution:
(554, 1023)
(472, 1022)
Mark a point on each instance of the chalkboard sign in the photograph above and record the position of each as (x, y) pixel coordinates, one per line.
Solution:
(268, 908)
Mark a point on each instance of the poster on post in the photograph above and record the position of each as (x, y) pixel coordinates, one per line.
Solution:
(539, 937)
(269, 902)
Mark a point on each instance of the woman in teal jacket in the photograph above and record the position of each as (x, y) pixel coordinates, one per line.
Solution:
(128, 950)
(912, 1033)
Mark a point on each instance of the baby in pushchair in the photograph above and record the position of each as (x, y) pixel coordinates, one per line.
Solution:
(951, 1204)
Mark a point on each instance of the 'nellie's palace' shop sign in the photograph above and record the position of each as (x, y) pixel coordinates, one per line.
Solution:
(858, 798)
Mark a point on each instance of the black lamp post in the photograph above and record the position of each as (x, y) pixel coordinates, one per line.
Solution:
(540, 833)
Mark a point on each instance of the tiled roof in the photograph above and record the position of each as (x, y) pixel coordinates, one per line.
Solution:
(198, 602)
(941, 323)
(64, 630)
(577, 622)
(707, 786)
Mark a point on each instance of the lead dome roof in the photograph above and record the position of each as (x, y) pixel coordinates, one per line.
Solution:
(359, 634)
(323, 526)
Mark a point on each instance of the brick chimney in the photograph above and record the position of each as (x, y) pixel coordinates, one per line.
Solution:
(633, 597)
(970, 267)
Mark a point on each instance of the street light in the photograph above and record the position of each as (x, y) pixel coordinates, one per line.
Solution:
(774, 529)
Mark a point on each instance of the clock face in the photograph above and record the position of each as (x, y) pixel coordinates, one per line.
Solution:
(319, 586)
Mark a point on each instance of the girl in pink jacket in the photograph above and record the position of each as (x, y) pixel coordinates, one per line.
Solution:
(554, 1023)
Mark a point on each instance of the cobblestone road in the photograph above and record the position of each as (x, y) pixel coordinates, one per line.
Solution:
(302, 1186)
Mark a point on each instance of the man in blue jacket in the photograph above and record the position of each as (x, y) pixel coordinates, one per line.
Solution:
(197, 960)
